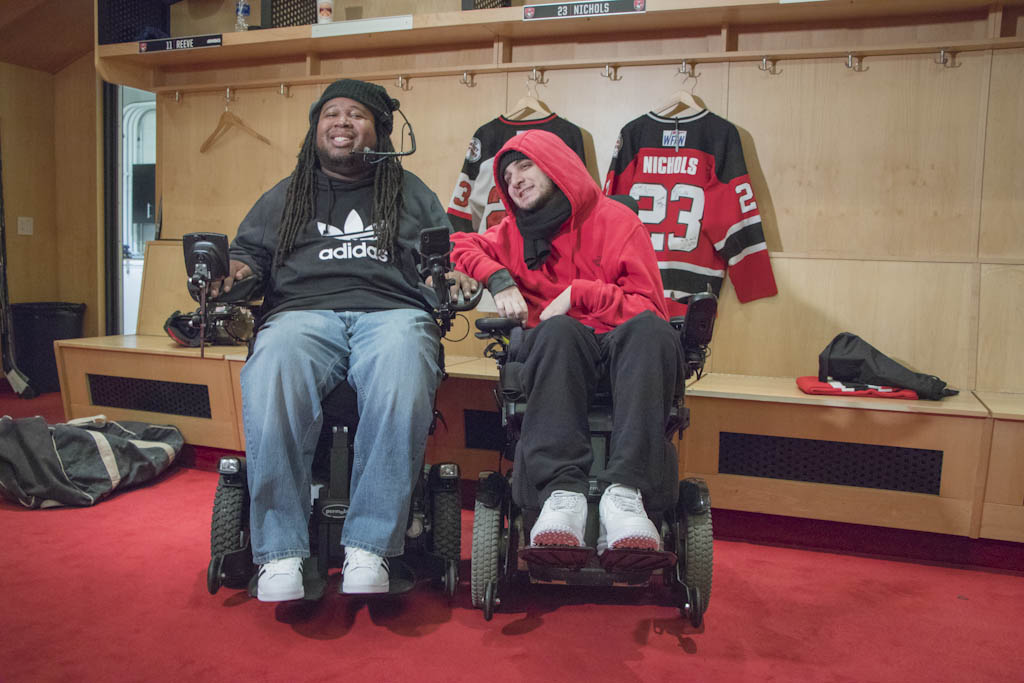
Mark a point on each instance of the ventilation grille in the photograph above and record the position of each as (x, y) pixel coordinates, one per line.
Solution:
(892, 468)
(150, 395)
(292, 12)
(123, 21)
(486, 4)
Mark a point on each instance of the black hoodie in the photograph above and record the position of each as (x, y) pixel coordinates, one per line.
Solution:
(335, 264)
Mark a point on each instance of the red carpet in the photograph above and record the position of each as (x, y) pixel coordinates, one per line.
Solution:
(117, 593)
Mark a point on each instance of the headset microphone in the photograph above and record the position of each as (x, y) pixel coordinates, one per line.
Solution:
(381, 156)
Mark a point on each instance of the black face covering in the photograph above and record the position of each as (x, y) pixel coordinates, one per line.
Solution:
(539, 225)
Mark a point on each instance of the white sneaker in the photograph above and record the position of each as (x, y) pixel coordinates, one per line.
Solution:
(364, 572)
(624, 523)
(562, 520)
(280, 580)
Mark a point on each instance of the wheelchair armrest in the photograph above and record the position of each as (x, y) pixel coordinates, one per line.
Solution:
(698, 325)
(244, 291)
(695, 330)
(491, 327)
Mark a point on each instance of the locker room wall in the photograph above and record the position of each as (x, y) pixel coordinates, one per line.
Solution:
(891, 197)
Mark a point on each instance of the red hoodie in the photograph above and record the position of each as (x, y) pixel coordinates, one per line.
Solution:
(602, 250)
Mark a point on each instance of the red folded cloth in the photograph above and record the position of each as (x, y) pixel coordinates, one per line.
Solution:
(811, 385)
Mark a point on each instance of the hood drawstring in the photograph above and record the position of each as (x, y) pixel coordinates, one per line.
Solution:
(330, 202)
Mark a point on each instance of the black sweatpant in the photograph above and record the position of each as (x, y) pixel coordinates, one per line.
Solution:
(563, 362)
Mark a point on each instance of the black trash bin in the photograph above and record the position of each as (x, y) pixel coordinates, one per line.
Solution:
(36, 326)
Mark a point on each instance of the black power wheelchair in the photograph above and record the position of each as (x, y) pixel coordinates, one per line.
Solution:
(434, 531)
(502, 521)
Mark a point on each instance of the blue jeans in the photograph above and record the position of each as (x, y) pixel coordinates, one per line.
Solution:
(390, 359)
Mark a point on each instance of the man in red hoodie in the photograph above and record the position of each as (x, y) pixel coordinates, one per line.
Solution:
(578, 270)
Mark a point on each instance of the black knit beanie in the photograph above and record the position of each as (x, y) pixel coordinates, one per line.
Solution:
(503, 162)
(506, 159)
(372, 96)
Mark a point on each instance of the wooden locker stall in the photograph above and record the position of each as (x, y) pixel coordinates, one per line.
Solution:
(882, 140)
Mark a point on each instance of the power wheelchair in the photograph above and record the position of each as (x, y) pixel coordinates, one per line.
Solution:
(502, 522)
(434, 531)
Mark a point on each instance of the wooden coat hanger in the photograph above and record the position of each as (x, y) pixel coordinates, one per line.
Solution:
(684, 98)
(528, 103)
(226, 121)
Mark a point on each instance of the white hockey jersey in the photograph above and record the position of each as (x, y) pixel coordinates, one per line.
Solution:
(475, 204)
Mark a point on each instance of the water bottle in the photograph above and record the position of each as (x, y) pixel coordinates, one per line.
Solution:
(241, 15)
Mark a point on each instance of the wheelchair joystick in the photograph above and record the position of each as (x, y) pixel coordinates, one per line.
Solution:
(436, 247)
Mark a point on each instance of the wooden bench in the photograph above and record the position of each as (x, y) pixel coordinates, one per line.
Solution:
(151, 379)
(779, 432)
(765, 446)
(1003, 506)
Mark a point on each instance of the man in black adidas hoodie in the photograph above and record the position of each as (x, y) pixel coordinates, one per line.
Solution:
(335, 248)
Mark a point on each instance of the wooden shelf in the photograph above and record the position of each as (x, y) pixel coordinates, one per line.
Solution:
(502, 27)
(951, 48)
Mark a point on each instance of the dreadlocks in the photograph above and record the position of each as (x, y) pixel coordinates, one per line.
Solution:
(300, 200)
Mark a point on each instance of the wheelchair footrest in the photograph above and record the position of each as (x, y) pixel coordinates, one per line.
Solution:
(631, 560)
(313, 584)
(563, 556)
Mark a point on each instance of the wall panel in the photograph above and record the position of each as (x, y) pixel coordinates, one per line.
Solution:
(213, 191)
(226, 74)
(608, 104)
(861, 34)
(425, 58)
(883, 163)
(693, 41)
(1002, 208)
(164, 288)
(27, 139)
(79, 260)
(444, 114)
(1001, 329)
(921, 314)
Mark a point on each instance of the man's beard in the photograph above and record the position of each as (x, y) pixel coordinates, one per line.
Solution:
(541, 200)
(351, 164)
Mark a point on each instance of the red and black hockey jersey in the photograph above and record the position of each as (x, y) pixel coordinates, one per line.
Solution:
(690, 179)
(475, 204)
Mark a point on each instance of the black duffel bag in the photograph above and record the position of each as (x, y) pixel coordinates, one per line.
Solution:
(80, 462)
(848, 358)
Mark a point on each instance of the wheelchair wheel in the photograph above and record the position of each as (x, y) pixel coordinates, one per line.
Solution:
(490, 600)
(486, 556)
(697, 560)
(451, 578)
(227, 536)
(446, 522)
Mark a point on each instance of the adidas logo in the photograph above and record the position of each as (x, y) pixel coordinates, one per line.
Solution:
(359, 240)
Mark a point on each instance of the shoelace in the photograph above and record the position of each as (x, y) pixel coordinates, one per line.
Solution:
(628, 502)
(562, 500)
(365, 559)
